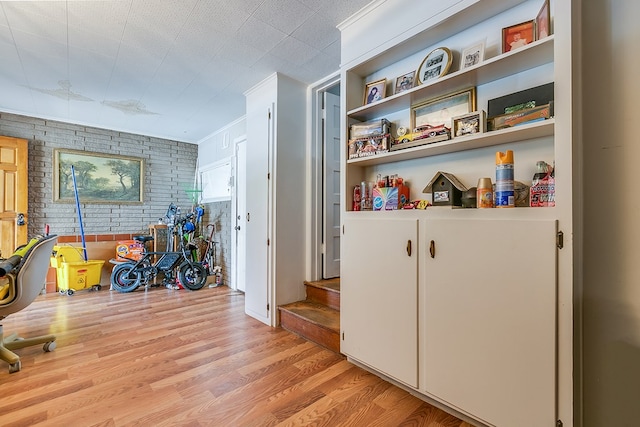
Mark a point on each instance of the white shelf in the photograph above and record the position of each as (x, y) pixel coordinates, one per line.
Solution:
(486, 139)
(530, 56)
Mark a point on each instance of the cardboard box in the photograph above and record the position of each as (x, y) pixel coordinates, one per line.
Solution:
(364, 147)
(128, 250)
(390, 198)
(521, 117)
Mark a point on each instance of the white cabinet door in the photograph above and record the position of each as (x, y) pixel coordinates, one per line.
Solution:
(379, 295)
(259, 145)
(488, 342)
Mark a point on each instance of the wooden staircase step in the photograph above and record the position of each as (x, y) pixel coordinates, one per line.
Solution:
(325, 292)
(313, 321)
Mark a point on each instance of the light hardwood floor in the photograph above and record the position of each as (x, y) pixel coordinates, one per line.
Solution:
(178, 358)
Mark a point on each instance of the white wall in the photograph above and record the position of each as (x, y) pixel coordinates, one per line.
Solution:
(219, 145)
(611, 300)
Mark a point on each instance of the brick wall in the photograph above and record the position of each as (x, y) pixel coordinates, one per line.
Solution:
(169, 168)
(219, 214)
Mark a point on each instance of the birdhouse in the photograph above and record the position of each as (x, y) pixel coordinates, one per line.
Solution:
(446, 190)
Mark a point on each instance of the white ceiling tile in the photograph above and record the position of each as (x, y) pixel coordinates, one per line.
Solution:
(221, 16)
(259, 34)
(105, 19)
(294, 51)
(240, 53)
(338, 10)
(283, 16)
(318, 32)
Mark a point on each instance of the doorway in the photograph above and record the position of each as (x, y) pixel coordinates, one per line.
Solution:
(325, 160)
(239, 211)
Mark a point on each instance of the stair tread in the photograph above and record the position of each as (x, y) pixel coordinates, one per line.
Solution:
(332, 285)
(316, 313)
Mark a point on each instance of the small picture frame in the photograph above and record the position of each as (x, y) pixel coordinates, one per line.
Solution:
(472, 55)
(517, 36)
(435, 65)
(374, 91)
(404, 82)
(543, 21)
(468, 124)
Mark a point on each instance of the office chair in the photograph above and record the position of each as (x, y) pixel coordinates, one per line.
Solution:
(18, 289)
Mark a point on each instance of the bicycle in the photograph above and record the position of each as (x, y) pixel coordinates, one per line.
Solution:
(128, 276)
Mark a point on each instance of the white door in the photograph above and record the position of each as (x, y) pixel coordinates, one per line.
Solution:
(379, 292)
(331, 186)
(256, 220)
(488, 339)
(241, 213)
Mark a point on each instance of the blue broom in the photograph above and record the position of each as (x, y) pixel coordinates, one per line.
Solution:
(75, 190)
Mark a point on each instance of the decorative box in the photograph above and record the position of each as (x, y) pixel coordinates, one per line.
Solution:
(371, 128)
(363, 147)
(390, 198)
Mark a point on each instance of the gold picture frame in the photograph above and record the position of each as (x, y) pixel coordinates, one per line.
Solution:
(435, 65)
(374, 91)
(441, 110)
(100, 178)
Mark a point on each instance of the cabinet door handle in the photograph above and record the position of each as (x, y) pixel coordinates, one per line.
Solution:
(432, 249)
(409, 247)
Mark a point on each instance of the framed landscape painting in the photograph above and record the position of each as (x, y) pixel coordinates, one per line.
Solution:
(100, 178)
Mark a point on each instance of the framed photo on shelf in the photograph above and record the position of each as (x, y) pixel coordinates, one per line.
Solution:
(435, 65)
(518, 35)
(472, 55)
(404, 82)
(105, 178)
(374, 91)
(441, 110)
(468, 124)
(543, 19)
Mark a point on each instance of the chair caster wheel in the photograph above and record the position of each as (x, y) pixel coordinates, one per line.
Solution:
(15, 367)
(70, 292)
(49, 346)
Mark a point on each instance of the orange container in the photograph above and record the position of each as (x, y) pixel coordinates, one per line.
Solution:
(127, 250)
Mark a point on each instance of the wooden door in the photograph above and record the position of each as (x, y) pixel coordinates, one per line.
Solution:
(13, 194)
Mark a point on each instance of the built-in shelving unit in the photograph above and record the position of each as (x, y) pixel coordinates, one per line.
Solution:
(462, 266)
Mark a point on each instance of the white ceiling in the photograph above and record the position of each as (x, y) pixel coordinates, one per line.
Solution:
(174, 69)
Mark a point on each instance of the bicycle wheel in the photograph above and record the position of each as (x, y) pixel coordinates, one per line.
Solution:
(192, 276)
(124, 278)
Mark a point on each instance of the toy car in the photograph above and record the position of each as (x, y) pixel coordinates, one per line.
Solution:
(422, 132)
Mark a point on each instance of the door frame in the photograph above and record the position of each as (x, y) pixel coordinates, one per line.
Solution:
(315, 171)
(234, 211)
